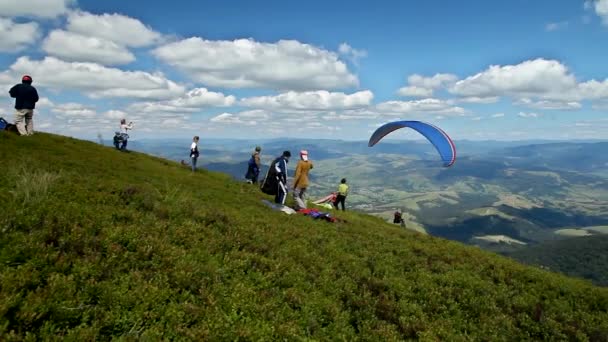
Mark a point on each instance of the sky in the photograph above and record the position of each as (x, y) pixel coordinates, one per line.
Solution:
(480, 70)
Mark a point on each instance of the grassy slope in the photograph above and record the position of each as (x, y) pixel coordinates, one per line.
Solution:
(97, 243)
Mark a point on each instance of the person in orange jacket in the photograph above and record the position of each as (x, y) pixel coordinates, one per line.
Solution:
(300, 181)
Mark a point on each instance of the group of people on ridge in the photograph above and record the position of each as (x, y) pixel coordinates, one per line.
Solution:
(275, 181)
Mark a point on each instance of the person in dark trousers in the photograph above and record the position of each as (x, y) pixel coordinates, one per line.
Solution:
(26, 97)
(342, 193)
(280, 168)
(121, 138)
(253, 166)
(194, 152)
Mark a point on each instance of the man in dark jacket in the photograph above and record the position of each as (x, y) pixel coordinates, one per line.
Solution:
(280, 168)
(26, 97)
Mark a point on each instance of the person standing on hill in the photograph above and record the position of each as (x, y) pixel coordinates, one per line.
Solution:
(300, 183)
(123, 134)
(342, 193)
(253, 166)
(194, 152)
(25, 97)
(280, 168)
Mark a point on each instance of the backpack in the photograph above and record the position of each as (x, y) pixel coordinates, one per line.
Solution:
(269, 185)
(6, 126)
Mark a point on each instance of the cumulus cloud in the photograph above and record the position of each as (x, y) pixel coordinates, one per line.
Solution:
(117, 28)
(96, 80)
(600, 7)
(71, 46)
(73, 110)
(115, 114)
(15, 37)
(547, 79)
(35, 8)
(312, 100)
(192, 101)
(424, 105)
(420, 86)
(245, 63)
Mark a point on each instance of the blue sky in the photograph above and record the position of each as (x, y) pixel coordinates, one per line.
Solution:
(478, 69)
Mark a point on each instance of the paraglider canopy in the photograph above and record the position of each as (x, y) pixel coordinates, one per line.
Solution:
(433, 134)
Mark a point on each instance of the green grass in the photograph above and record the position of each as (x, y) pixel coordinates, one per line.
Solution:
(98, 244)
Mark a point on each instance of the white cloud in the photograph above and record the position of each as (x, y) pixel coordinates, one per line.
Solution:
(118, 28)
(312, 100)
(425, 105)
(76, 47)
(600, 7)
(528, 115)
(593, 90)
(475, 99)
(546, 79)
(476, 118)
(96, 80)
(35, 8)
(550, 27)
(420, 86)
(498, 115)
(72, 110)
(190, 102)
(227, 118)
(256, 114)
(544, 104)
(245, 63)
(414, 91)
(115, 114)
(15, 37)
(353, 54)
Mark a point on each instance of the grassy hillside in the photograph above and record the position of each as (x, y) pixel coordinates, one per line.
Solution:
(584, 257)
(97, 244)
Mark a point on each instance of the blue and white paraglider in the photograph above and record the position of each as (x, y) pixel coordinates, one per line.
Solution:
(437, 137)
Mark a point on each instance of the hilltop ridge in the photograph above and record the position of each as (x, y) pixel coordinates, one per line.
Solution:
(98, 244)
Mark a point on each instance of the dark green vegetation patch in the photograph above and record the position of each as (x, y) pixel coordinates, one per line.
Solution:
(97, 244)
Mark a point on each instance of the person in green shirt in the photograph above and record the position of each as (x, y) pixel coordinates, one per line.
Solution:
(342, 193)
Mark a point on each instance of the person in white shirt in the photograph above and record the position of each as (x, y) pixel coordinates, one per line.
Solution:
(194, 152)
(123, 136)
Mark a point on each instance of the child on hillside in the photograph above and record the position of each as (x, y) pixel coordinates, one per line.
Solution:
(342, 193)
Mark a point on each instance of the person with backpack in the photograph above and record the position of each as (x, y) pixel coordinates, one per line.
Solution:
(25, 97)
(194, 152)
(121, 137)
(253, 166)
(280, 168)
(342, 193)
(300, 183)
